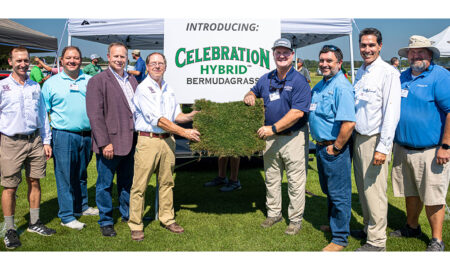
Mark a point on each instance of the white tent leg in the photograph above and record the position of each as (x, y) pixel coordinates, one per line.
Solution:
(351, 58)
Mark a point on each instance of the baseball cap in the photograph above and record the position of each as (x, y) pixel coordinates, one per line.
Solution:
(282, 42)
(93, 56)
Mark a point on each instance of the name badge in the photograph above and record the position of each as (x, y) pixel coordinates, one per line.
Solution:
(363, 96)
(35, 95)
(405, 93)
(74, 87)
(274, 96)
(313, 107)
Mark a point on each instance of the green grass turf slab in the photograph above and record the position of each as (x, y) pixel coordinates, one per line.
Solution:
(228, 129)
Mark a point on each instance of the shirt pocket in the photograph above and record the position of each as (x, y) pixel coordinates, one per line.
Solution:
(325, 106)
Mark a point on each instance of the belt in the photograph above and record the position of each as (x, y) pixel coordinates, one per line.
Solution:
(325, 143)
(417, 149)
(81, 133)
(285, 133)
(26, 137)
(154, 135)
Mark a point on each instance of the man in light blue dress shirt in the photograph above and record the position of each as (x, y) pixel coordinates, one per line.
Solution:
(65, 99)
(25, 142)
(332, 120)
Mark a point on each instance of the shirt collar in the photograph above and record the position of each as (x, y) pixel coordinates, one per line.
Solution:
(163, 83)
(289, 75)
(423, 74)
(27, 80)
(332, 78)
(64, 75)
(373, 64)
(123, 78)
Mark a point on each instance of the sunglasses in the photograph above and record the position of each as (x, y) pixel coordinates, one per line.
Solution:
(331, 48)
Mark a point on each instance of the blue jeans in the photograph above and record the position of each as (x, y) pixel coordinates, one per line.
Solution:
(335, 181)
(124, 167)
(71, 155)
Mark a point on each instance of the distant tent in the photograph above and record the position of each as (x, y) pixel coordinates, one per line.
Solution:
(13, 34)
(442, 42)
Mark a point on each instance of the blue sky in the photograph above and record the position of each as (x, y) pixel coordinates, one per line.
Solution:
(396, 33)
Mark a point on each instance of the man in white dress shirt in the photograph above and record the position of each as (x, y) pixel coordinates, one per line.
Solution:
(25, 142)
(377, 101)
(156, 112)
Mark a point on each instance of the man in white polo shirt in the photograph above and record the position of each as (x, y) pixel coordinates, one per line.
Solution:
(156, 112)
(25, 142)
(377, 102)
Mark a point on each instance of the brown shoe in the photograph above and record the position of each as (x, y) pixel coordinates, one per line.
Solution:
(325, 228)
(175, 228)
(137, 235)
(333, 247)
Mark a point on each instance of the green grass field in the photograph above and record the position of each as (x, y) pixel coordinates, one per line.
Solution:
(213, 221)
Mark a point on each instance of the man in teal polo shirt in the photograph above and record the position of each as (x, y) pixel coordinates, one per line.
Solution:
(331, 121)
(65, 100)
(421, 169)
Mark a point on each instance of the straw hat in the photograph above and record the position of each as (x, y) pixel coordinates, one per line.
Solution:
(419, 42)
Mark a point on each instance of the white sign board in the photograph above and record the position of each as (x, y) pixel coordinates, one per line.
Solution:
(217, 59)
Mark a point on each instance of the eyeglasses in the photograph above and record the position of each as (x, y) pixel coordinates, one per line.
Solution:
(285, 54)
(154, 64)
(330, 47)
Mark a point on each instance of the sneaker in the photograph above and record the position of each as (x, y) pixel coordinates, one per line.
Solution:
(216, 182)
(369, 247)
(40, 228)
(232, 185)
(293, 228)
(88, 212)
(436, 245)
(108, 231)
(358, 234)
(12, 239)
(270, 221)
(74, 224)
(407, 232)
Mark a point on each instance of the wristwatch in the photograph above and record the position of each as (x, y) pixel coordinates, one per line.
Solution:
(445, 146)
(274, 129)
(335, 149)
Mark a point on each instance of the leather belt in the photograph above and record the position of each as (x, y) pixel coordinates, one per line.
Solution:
(285, 133)
(25, 137)
(325, 143)
(154, 135)
(417, 149)
(81, 133)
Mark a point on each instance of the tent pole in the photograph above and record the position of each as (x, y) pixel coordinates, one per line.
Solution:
(351, 57)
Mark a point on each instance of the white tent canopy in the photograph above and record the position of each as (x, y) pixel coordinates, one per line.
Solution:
(442, 42)
(148, 34)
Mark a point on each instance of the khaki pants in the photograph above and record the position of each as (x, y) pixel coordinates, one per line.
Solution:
(152, 154)
(371, 182)
(288, 153)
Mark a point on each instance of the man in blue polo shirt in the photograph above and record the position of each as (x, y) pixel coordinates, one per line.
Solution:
(421, 169)
(65, 99)
(287, 97)
(139, 67)
(332, 120)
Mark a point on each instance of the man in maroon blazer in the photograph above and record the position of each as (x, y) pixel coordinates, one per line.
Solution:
(110, 111)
